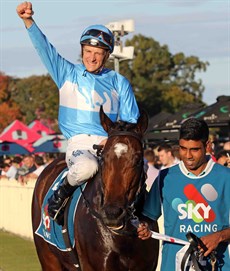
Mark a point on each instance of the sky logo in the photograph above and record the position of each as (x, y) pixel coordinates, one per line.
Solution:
(197, 207)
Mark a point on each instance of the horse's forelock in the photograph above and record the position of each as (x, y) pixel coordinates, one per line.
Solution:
(124, 126)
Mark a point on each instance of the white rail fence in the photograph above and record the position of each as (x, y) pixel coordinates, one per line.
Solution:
(15, 208)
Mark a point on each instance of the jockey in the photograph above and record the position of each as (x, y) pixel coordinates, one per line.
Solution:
(83, 88)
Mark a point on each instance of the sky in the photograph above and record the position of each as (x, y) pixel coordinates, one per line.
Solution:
(195, 27)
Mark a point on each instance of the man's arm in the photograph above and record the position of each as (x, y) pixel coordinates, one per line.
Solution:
(25, 12)
(56, 65)
(211, 241)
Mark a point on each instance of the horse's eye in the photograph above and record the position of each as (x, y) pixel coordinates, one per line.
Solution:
(137, 160)
(140, 162)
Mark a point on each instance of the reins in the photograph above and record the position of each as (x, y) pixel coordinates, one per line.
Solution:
(195, 255)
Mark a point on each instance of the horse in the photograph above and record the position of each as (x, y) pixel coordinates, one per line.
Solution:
(105, 238)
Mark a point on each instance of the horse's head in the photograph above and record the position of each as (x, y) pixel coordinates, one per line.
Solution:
(122, 168)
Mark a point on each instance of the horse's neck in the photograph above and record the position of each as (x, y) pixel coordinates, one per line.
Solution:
(94, 192)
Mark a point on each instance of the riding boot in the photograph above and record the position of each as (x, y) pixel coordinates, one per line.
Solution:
(58, 201)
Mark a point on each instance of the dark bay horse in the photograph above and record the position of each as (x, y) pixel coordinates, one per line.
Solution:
(105, 240)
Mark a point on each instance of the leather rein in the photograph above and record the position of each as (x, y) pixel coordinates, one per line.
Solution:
(195, 255)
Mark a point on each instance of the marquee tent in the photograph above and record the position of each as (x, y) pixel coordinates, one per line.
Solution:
(51, 143)
(157, 119)
(9, 148)
(217, 115)
(19, 133)
(38, 127)
(165, 126)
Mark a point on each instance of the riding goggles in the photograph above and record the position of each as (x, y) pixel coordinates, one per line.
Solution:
(98, 33)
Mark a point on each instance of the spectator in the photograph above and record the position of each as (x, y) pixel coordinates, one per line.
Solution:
(226, 146)
(27, 167)
(223, 158)
(210, 150)
(40, 165)
(152, 171)
(166, 157)
(214, 144)
(3, 173)
(7, 160)
(194, 196)
(9, 171)
(49, 158)
(1, 165)
(176, 152)
(17, 161)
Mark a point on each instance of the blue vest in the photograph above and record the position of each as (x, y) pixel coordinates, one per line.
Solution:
(199, 204)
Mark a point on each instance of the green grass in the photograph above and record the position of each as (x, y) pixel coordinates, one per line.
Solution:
(17, 254)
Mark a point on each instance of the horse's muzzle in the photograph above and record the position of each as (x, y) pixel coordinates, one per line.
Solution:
(113, 217)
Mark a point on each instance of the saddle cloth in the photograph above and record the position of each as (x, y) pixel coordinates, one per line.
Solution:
(49, 230)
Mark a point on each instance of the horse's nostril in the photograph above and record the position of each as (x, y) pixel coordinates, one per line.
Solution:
(113, 212)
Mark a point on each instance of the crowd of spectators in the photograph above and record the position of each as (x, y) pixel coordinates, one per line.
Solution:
(24, 168)
(28, 167)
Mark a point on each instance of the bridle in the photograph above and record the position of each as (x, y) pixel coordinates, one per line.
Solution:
(130, 209)
(125, 133)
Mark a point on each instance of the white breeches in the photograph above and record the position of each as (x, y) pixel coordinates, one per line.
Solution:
(81, 158)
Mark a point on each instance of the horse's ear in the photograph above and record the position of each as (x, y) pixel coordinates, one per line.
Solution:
(106, 122)
(142, 123)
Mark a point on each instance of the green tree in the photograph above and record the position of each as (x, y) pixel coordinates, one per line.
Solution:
(162, 81)
(37, 97)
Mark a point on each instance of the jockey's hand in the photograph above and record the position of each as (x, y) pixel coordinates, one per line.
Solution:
(103, 142)
(25, 11)
(143, 231)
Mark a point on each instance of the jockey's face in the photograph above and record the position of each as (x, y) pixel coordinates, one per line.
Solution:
(93, 58)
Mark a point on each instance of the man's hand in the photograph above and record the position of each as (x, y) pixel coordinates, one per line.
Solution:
(25, 11)
(143, 231)
(211, 241)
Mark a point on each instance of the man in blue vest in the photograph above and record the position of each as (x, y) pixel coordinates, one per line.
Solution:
(195, 198)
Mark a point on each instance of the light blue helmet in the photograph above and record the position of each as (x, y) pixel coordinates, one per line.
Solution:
(98, 36)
